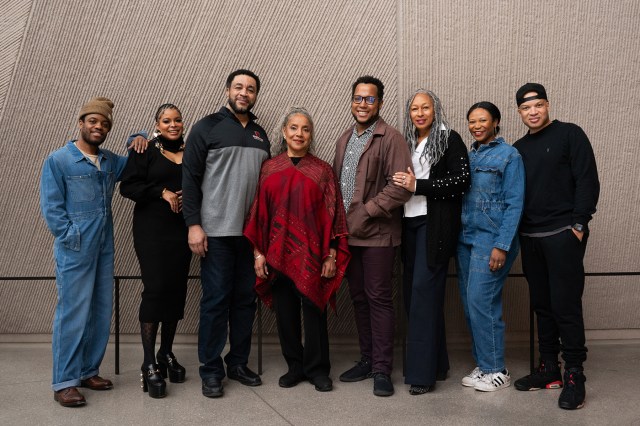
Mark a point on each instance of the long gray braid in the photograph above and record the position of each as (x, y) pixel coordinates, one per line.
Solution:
(437, 143)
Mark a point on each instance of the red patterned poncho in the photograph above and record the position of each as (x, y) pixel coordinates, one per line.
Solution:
(297, 211)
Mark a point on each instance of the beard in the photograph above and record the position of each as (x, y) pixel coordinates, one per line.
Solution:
(91, 140)
(237, 109)
(369, 122)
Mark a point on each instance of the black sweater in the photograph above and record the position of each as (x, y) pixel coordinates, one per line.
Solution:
(562, 179)
(448, 179)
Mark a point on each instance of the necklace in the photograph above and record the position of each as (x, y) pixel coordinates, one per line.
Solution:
(159, 145)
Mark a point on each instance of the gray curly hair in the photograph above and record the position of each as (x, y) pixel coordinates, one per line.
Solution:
(437, 143)
(279, 144)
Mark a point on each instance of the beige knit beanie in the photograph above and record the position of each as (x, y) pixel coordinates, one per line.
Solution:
(99, 105)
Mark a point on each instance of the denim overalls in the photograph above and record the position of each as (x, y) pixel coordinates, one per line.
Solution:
(75, 199)
(491, 211)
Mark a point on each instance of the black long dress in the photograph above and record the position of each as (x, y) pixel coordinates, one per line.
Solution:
(159, 235)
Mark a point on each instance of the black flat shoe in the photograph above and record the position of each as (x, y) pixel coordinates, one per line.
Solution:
(152, 381)
(244, 375)
(382, 385)
(169, 364)
(212, 387)
(421, 390)
(322, 383)
(290, 379)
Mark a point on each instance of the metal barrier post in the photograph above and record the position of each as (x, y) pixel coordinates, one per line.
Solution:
(117, 323)
(532, 343)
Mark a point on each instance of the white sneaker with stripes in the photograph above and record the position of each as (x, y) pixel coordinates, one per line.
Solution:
(472, 378)
(493, 381)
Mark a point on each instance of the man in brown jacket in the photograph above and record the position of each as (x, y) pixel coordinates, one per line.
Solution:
(367, 156)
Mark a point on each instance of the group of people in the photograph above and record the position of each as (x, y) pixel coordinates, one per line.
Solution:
(292, 227)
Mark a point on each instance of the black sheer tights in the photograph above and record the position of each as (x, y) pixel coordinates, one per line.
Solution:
(149, 331)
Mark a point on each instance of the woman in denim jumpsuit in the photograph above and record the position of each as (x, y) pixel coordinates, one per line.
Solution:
(488, 243)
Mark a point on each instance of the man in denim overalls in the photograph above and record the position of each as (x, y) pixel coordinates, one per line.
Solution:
(76, 189)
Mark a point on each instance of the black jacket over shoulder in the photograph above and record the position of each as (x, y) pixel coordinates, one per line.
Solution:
(448, 179)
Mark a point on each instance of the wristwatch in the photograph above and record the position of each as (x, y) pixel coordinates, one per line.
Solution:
(578, 227)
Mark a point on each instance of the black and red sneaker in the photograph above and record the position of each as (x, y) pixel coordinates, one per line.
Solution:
(546, 376)
(573, 394)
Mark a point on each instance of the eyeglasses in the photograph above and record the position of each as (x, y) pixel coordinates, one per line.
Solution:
(357, 99)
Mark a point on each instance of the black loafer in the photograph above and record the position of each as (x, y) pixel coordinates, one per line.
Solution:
(212, 387)
(322, 383)
(244, 375)
(290, 379)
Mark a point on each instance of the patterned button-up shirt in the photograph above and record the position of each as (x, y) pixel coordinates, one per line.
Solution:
(352, 154)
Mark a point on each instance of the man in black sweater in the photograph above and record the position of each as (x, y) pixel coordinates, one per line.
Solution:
(560, 198)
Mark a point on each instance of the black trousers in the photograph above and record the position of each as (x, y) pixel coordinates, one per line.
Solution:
(312, 359)
(424, 290)
(555, 272)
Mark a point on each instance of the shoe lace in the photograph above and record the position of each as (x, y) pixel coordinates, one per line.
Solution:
(363, 363)
(544, 368)
(476, 373)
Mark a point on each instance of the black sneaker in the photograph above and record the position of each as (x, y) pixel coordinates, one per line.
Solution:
(547, 376)
(573, 394)
(361, 371)
(382, 385)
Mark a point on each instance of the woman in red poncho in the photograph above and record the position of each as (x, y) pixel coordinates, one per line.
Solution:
(298, 230)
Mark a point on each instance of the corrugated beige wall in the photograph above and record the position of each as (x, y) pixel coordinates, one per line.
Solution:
(57, 54)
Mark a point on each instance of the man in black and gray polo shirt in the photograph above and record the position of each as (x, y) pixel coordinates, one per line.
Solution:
(221, 166)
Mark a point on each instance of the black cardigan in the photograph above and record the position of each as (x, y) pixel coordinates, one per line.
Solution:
(448, 179)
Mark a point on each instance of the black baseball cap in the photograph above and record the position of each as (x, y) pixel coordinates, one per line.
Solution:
(541, 93)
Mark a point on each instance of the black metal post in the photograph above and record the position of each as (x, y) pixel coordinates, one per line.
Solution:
(117, 323)
(531, 338)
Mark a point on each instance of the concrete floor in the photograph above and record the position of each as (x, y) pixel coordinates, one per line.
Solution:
(25, 374)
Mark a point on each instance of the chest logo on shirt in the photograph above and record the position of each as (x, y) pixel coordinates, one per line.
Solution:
(256, 136)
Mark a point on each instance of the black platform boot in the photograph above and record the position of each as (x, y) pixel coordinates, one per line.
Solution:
(152, 381)
(169, 366)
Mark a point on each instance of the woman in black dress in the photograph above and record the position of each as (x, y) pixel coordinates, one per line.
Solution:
(153, 179)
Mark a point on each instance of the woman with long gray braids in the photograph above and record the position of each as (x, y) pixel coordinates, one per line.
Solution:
(431, 224)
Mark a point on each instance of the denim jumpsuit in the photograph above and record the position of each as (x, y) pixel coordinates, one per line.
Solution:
(75, 199)
(491, 211)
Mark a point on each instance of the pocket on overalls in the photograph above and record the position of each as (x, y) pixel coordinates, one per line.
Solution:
(80, 188)
(71, 240)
